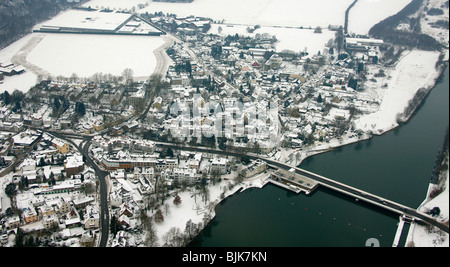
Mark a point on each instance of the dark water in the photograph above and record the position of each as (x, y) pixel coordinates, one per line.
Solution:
(396, 166)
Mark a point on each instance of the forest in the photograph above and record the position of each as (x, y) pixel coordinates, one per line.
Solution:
(387, 31)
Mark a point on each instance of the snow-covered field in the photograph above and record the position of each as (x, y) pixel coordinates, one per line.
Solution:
(264, 12)
(21, 82)
(363, 16)
(194, 208)
(88, 20)
(367, 13)
(415, 70)
(65, 54)
(294, 39)
(436, 32)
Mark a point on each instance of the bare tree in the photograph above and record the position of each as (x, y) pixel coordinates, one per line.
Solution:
(166, 208)
(127, 75)
(173, 238)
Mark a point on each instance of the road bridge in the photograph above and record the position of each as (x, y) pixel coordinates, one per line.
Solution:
(359, 194)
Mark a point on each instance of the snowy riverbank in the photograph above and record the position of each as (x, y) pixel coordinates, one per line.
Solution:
(415, 70)
(423, 236)
(195, 209)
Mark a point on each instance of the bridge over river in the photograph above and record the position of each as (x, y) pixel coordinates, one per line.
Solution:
(402, 210)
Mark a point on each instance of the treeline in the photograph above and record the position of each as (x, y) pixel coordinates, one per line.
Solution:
(387, 31)
(412, 105)
(17, 17)
(346, 15)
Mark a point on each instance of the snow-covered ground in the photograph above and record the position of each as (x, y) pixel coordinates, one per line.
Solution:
(21, 82)
(65, 54)
(264, 12)
(87, 20)
(414, 71)
(419, 235)
(295, 39)
(427, 23)
(367, 13)
(194, 208)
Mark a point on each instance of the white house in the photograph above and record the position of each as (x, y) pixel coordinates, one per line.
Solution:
(219, 165)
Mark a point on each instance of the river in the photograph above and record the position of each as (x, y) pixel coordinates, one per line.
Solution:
(396, 165)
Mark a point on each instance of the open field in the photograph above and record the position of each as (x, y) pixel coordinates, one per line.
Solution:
(367, 13)
(264, 12)
(81, 19)
(65, 54)
(294, 39)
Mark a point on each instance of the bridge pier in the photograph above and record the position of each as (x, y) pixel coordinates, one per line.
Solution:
(399, 232)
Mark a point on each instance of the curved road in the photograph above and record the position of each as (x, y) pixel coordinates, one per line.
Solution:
(102, 177)
(354, 192)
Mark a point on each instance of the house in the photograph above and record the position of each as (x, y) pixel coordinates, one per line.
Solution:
(115, 198)
(26, 140)
(143, 172)
(73, 222)
(62, 207)
(219, 165)
(157, 103)
(73, 165)
(91, 218)
(49, 221)
(12, 222)
(56, 170)
(180, 175)
(126, 210)
(82, 202)
(163, 164)
(254, 168)
(124, 221)
(62, 146)
(45, 210)
(30, 215)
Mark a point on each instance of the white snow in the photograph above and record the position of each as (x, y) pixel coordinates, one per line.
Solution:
(419, 235)
(414, 71)
(85, 55)
(22, 82)
(194, 208)
(289, 38)
(264, 12)
(367, 13)
(87, 20)
(436, 32)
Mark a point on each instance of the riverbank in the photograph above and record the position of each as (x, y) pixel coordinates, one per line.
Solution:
(198, 211)
(399, 84)
(415, 71)
(424, 236)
